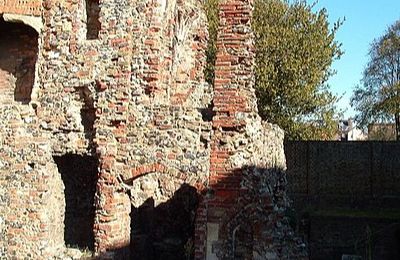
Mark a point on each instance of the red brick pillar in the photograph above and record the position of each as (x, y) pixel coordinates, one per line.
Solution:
(233, 97)
(234, 102)
(113, 206)
(112, 223)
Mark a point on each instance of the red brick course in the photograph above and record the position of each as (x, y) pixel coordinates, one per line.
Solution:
(22, 7)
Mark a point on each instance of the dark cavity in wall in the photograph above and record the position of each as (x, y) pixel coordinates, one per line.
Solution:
(18, 55)
(208, 113)
(93, 25)
(165, 231)
(88, 112)
(79, 174)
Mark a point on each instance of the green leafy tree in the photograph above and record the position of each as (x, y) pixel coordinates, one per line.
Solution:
(377, 99)
(294, 51)
(212, 11)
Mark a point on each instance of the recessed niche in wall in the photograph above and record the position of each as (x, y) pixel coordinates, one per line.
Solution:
(79, 174)
(88, 112)
(18, 55)
(93, 25)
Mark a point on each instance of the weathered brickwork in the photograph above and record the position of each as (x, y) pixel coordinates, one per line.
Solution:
(121, 82)
(23, 7)
(17, 63)
(247, 160)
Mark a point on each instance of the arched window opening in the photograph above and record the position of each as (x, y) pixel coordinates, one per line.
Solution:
(18, 56)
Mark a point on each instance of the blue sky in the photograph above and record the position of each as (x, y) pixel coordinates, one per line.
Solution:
(365, 21)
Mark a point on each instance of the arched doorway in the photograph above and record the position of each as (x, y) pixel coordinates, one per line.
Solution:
(165, 231)
(79, 175)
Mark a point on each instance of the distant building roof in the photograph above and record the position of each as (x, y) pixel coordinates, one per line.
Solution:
(349, 132)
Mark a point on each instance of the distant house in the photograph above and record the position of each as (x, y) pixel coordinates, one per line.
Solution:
(349, 132)
(382, 132)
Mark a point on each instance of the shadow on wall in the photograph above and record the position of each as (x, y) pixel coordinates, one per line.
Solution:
(162, 232)
(249, 207)
(165, 231)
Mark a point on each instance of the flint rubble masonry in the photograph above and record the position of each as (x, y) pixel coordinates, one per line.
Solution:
(122, 82)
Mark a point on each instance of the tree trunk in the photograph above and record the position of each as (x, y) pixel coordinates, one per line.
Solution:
(397, 120)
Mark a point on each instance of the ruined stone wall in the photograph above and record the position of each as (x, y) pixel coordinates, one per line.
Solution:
(247, 162)
(121, 82)
(31, 190)
(19, 49)
(31, 200)
(131, 98)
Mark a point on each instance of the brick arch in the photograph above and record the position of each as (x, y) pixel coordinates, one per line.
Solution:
(18, 56)
(146, 169)
(175, 217)
(232, 230)
(174, 220)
